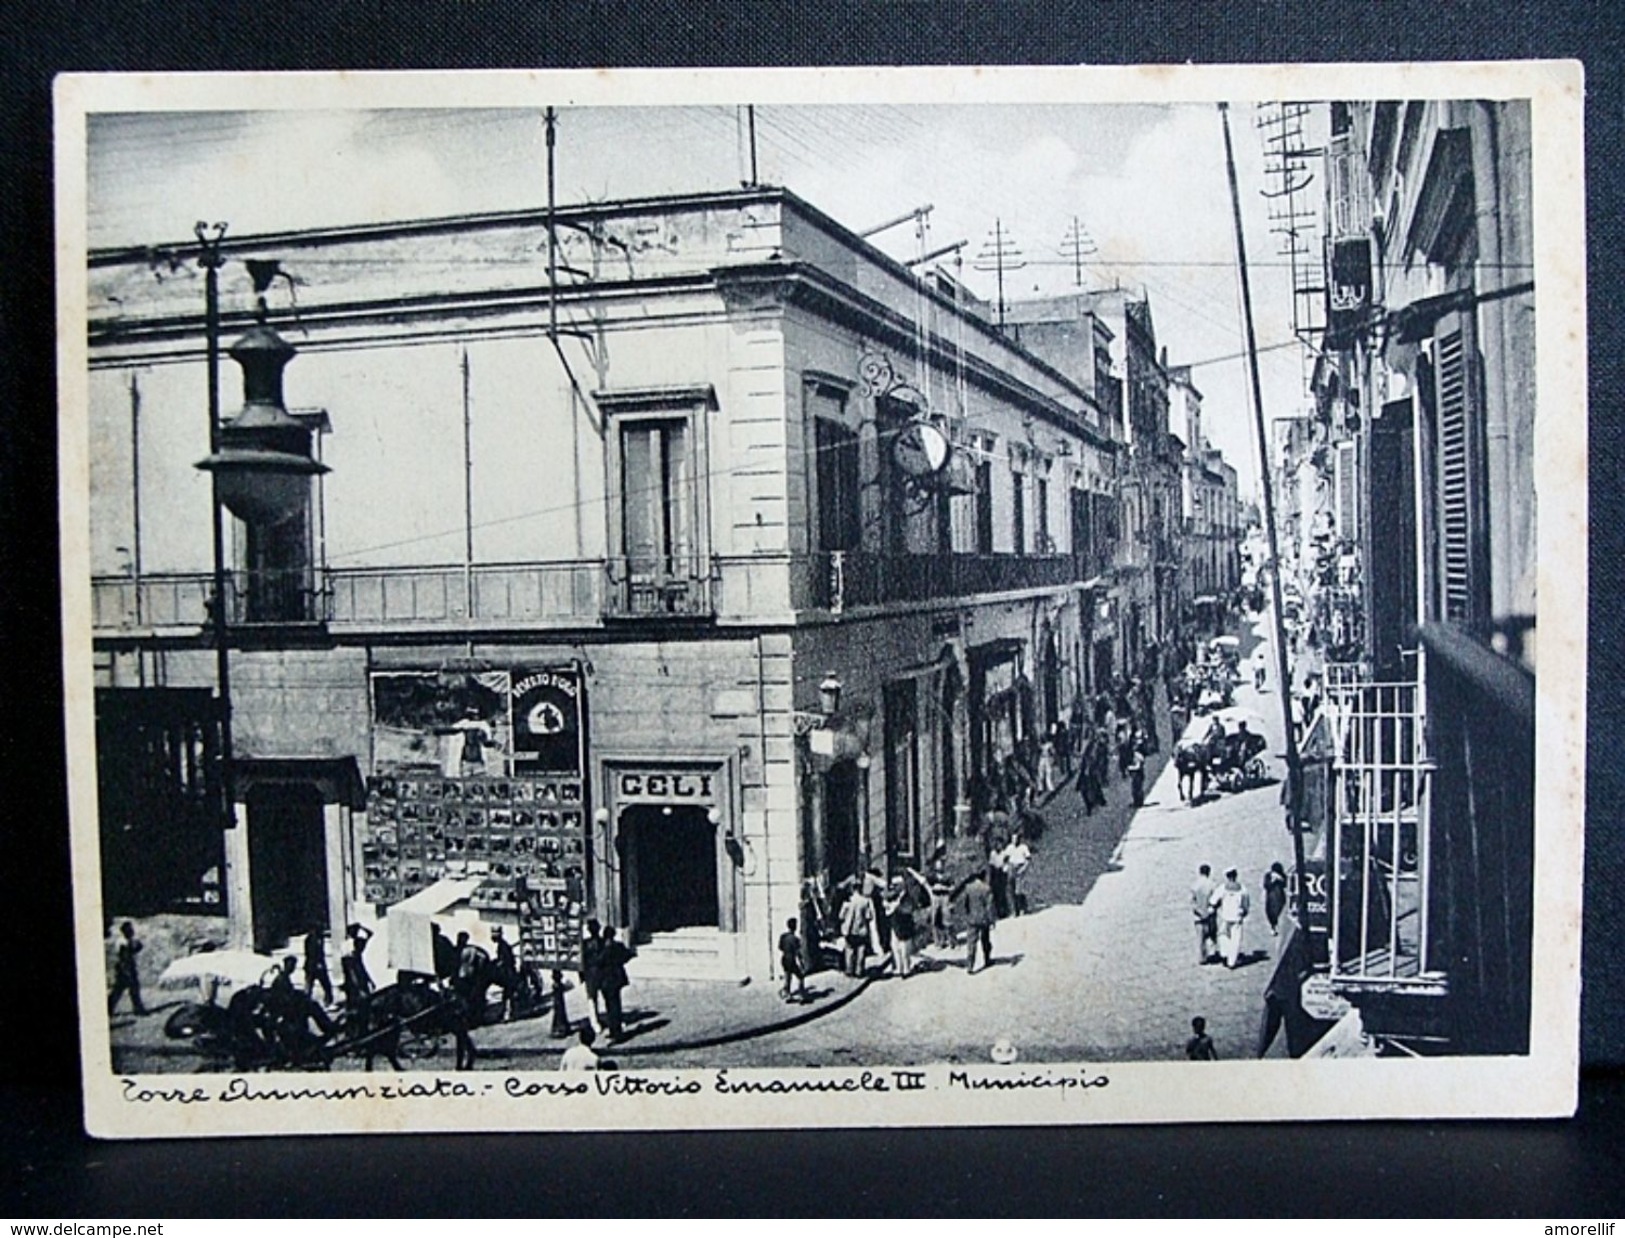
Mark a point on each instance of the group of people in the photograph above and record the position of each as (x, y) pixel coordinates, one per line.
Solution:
(1220, 910)
(604, 955)
(1114, 739)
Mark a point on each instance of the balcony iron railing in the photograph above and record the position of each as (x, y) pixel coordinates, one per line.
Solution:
(668, 586)
(533, 593)
(1382, 907)
(846, 578)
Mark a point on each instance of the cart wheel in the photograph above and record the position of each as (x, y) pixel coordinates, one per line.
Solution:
(419, 1046)
(1256, 772)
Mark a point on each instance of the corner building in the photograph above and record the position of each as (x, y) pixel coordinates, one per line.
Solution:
(642, 581)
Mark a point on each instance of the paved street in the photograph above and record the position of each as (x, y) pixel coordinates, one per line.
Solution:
(1105, 969)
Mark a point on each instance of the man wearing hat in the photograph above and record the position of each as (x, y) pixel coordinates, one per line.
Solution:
(1230, 906)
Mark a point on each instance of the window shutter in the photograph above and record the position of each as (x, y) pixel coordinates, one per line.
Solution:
(1462, 552)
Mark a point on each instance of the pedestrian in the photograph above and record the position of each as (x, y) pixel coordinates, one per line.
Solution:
(592, 952)
(1261, 662)
(857, 916)
(942, 933)
(443, 953)
(1136, 777)
(1086, 770)
(472, 978)
(1199, 1048)
(1016, 858)
(612, 979)
(975, 905)
(905, 925)
(1125, 745)
(581, 1055)
(1047, 765)
(127, 970)
(1207, 924)
(316, 965)
(790, 962)
(874, 887)
(506, 970)
(1231, 903)
(1060, 738)
(998, 877)
(1275, 896)
(356, 980)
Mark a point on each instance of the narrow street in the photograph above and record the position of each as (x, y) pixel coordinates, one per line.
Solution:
(1104, 968)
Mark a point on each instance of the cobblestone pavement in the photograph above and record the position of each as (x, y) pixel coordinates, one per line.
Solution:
(1105, 968)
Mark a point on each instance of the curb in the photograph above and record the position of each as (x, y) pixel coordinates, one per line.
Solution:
(720, 1038)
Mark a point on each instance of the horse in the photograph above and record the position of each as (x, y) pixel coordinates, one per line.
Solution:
(1193, 758)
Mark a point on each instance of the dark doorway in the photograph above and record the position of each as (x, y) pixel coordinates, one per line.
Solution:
(287, 863)
(1105, 661)
(675, 866)
(841, 821)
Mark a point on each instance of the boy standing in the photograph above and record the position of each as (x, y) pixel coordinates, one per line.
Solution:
(790, 962)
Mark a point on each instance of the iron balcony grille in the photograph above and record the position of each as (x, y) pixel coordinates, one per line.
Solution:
(662, 586)
(1381, 840)
(843, 579)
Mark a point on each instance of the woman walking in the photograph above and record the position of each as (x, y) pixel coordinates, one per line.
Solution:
(1275, 896)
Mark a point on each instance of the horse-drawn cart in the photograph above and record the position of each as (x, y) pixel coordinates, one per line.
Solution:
(1226, 748)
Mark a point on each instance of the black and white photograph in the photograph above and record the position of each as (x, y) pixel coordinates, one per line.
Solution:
(811, 597)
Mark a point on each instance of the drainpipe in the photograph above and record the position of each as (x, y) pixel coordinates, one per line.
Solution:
(1492, 315)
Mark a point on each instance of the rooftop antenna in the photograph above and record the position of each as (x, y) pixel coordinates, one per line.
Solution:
(1077, 245)
(999, 253)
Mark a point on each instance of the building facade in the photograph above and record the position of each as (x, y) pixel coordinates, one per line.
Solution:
(1425, 419)
(681, 558)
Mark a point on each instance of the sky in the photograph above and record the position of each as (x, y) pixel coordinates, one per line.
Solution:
(1144, 184)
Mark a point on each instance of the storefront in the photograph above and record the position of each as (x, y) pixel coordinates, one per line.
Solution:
(1001, 711)
(671, 856)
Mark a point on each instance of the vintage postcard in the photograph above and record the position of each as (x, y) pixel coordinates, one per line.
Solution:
(839, 597)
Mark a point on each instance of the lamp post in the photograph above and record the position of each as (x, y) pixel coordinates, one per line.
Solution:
(259, 463)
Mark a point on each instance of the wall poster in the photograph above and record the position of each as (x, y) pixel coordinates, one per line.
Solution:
(480, 774)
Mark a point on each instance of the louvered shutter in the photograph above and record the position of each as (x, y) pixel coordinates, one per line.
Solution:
(1458, 460)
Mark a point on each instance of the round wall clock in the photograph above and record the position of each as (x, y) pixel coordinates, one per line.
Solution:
(921, 450)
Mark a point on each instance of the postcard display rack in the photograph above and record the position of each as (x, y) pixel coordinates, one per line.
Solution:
(526, 835)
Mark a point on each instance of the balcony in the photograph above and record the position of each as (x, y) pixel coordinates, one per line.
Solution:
(666, 586)
(527, 595)
(843, 579)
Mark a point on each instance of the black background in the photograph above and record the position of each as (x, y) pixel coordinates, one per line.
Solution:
(50, 1170)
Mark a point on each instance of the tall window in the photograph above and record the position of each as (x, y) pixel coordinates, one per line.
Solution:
(984, 507)
(657, 497)
(1082, 534)
(1018, 513)
(1045, 545)
(903, 775)
(839, 515)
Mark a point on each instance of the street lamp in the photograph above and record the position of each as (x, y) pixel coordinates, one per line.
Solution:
(259, 463)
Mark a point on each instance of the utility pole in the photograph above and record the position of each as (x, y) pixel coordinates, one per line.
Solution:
(1294, 766)
(1077, 245)
(1289, 174)
(552, 120)
(750, 123)
(999, 253)
(209, 258)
